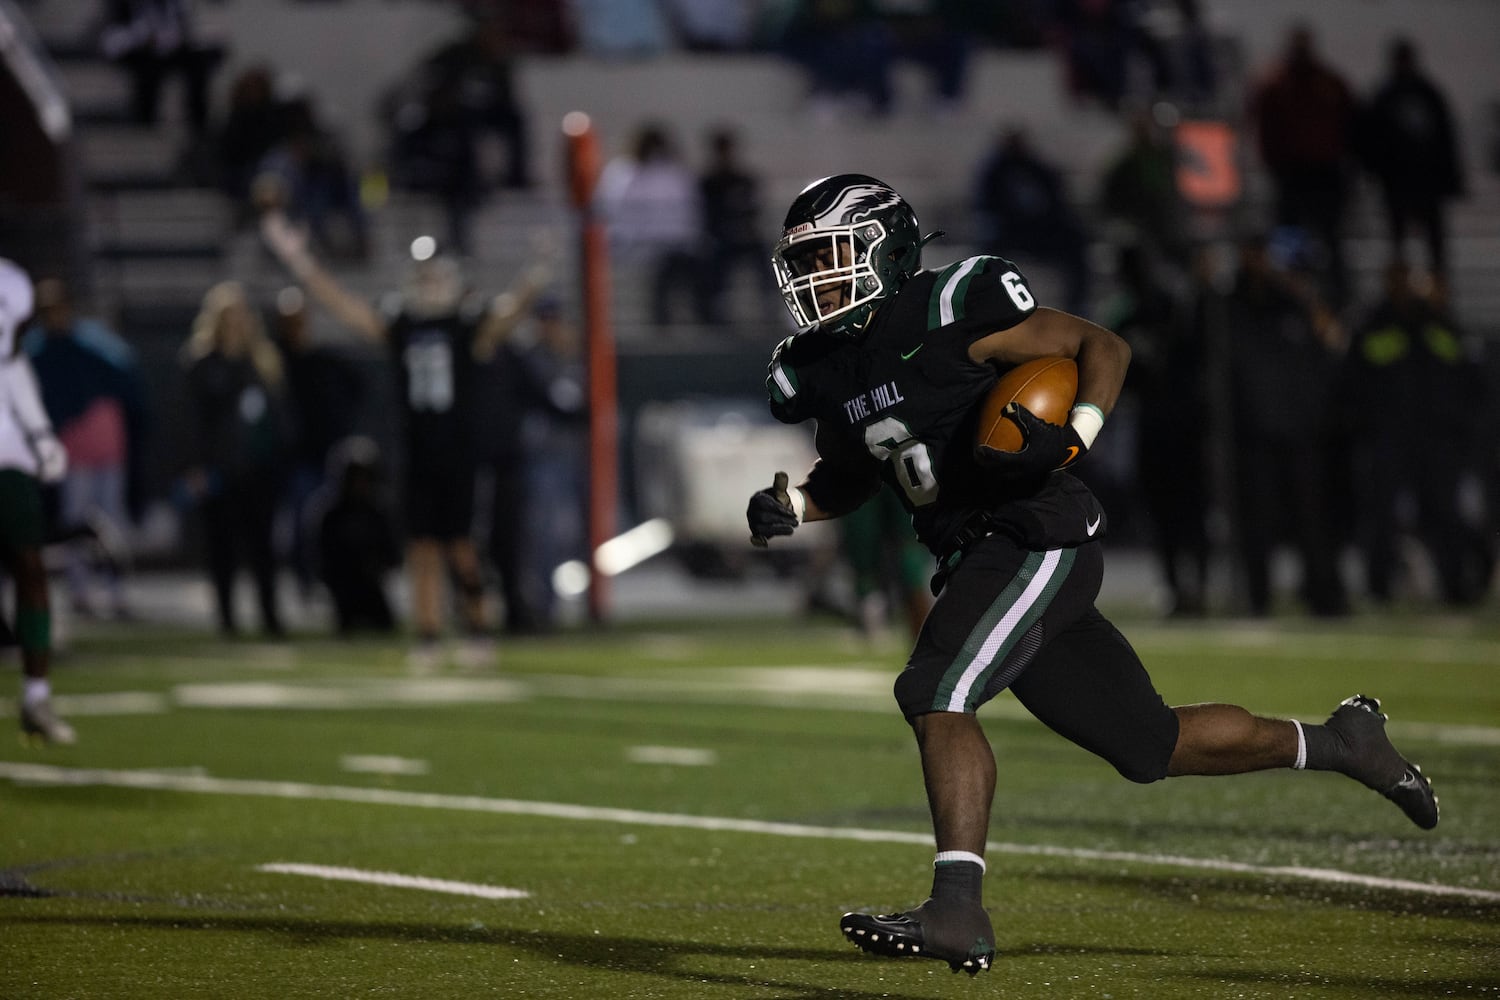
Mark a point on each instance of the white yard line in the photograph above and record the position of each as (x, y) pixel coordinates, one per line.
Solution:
(394, 880)
(852, 688)
(675, 756)
(46, 774)
(373, 763)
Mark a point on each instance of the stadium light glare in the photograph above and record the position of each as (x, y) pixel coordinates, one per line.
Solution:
(615, 556)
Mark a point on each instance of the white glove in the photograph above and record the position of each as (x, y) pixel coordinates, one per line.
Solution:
(51, 458)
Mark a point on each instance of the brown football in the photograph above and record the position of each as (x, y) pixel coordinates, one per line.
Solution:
(1045, 386)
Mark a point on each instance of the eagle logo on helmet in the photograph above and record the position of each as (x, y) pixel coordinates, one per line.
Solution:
(857, 202)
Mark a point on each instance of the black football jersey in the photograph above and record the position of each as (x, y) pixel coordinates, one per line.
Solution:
(435, 376)
(903, 402)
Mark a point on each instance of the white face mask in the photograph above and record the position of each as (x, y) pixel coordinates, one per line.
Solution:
(16, 302)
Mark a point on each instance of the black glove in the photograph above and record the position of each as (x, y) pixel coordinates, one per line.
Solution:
(770, 512)
(1046, 446)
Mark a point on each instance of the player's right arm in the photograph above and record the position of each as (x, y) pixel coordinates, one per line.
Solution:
(289, 244)
(835, 485)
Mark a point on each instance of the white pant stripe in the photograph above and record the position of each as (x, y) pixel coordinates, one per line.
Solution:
(1003, 629)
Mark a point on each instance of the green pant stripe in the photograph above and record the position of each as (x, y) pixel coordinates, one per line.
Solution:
(1024, 600)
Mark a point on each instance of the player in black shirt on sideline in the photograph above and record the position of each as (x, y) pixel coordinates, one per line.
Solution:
(893, 362)
(435, 330)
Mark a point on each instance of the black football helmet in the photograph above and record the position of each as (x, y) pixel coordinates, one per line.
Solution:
(849, 242)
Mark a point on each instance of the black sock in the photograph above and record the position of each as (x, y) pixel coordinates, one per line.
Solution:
(957, 881)
(1326, 750)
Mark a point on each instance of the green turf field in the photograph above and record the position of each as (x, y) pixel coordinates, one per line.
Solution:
(683, 810)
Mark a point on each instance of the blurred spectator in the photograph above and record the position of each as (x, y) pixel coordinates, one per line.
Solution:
(730, 196)
(934, 35)
(254, 124)
(356, 538)
(154, 39)
(1193, 65)
(850, 49)
(711, 25)
(41, 195)
(445, 117)
(239, 422)
(635, 28)
(433, 152)
(842, 47)
(325, 391)
(1283, 354)
(92, 388)
(1409, 142)
(29, 455)
(541, 26)
(1024, 214)
(318, 186)
(1139, 191)
(649, 200)
(1304, 116)
(479, 67)
(435, 329)
(1168, 385)
(534, 391)
(554, 442)
(1411, 387)
(1101, 40)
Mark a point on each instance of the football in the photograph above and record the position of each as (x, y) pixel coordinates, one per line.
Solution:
(1045, 386)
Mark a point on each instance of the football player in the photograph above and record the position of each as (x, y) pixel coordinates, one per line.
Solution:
(437, 332)
(29, 452)
(892, 363)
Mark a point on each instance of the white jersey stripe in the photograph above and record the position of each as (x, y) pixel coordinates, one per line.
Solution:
(1003, 630)
(945, 298)
(782, 382)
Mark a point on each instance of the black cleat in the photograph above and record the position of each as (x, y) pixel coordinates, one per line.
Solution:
(1374, 762)
(959, 935)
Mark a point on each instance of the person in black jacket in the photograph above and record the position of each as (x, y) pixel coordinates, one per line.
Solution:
(1408, 140)
(241, 433)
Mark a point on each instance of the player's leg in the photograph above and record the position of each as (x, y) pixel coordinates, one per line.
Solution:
(976, 637)
(951, 925)
(21, 534)
(1088, 685)
(1226, 739)
(424, 566)
(454, 511)
(463, 560)
(958, 770)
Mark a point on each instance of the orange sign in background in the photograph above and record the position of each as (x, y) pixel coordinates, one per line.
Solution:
(1208, 171)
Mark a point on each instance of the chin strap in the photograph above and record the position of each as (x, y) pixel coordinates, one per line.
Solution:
(935, 234)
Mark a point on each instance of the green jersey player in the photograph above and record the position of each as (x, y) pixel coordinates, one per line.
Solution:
(892, 364)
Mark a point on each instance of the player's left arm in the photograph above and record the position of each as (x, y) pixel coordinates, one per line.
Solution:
(1102, 357)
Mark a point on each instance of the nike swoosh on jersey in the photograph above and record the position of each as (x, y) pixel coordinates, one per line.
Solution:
(908, 355)
(1092, 526)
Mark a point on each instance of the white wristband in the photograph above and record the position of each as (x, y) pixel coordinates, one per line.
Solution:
(799, 503)
(1088, 420)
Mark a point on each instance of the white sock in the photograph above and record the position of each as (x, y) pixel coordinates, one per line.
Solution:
(945, 856)
(35, 690)
(1301, 761)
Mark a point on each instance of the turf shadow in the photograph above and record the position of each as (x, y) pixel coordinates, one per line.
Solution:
(668, 959)
(1354, 985)
(1191, 890)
